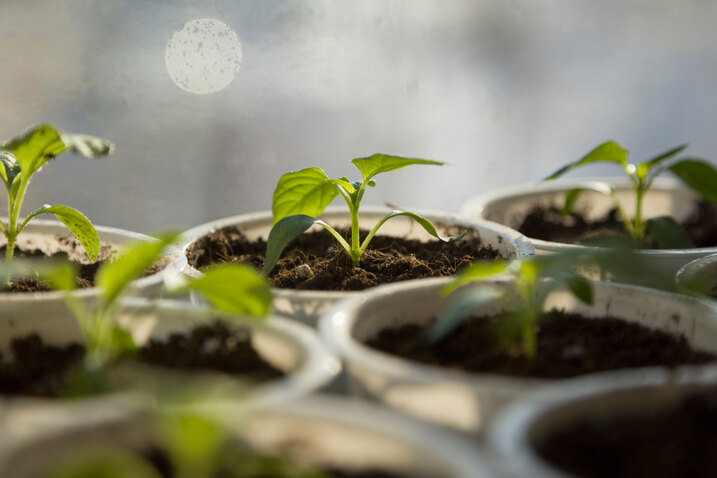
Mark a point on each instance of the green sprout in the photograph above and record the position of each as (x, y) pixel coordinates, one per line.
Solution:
(697, 174)
(533, 279)
(23, 156)
(301, 196)
(248, 297)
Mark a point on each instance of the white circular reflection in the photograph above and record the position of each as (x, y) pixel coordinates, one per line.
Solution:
(204, 56)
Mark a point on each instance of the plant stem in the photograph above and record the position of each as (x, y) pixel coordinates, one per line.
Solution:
(355, 239)
(639, 225)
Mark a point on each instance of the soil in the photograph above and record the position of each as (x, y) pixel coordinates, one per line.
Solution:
(568, 345)
(546, 223)
(315, 260)
(86, 271)
(673, 443)
(39, 369)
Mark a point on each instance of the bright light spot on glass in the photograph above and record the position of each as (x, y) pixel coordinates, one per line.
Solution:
(204, 56)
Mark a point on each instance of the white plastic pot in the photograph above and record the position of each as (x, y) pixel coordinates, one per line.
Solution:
(529, 421)
(666, 197)
(320, 430)
(306, 305)
(291, 347)
(468, 401)
(53, 236)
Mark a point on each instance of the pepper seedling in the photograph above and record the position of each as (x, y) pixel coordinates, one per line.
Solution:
(524, 286)
(248, 297)
(697, 174)
(24, 155)
(301, 196)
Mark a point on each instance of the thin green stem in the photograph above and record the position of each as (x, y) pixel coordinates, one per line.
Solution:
(639, 225)
(334, 233)
(14, 212)
(356, 249)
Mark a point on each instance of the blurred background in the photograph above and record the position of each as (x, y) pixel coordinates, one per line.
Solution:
(209, 102)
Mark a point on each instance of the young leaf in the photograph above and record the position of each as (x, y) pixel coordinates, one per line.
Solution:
(87, 146)
(477, 272)
(76, 222)
(10, 169)
(609, 151)
(193, 442)
(35, 147)
(234, 288)
(282, 233)
(669, 233)
(644, 168)
(570, 198)
(306, 192)
(425, 223)
(383, 163)
(698, 175)
(580, 287)
(114, 277)
(458, 310)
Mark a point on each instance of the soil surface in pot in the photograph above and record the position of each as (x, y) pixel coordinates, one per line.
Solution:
(674, 443)
(315, 260)
(546, 223)
(39, 369)
(86, 271)
(568, 345)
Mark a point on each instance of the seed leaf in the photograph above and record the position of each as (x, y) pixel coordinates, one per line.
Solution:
(78, 225)
(35, 147)
(307, 192)
(282, 233)
(644, 168)
(609, 151)
(698, 175)
(113, 278)
(237, 289)
(669, 233)
(383, 163)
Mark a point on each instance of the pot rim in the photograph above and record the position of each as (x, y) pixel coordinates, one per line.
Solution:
(521, 244)
(336, 326)
(690, 270)
(508, 435)
(173, 266)
(476, 206)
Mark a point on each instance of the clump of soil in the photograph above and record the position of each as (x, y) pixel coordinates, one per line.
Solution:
(546, 223)
(567, 345)
(672, 443)
(40, 369)
(315, 260)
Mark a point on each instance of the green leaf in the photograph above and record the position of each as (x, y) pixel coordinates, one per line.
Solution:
(234, 288)
(580, 287)
(193, 442)
(35, 147)
(306, 192)
(383, 163)
(570, 198)
(60, 273)
(76, 223)
(669, 233)
(425, 223)
(700, 176)
(135, 258)
(87, 146)
(103, 463)
(477, 272)
(282, 233)
(345, 184)
(461, 308)
(609, 151)
(644, 168)
(10, 169)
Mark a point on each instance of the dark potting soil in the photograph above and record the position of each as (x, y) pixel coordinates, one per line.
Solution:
(567, 345)
(39, 369)
(315, 261)
(675, 443)
(546, 223)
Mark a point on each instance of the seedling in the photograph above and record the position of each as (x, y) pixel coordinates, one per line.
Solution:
(105, 338)
(698, 175)
(22, 157)
(523, 287)
(301, 196)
